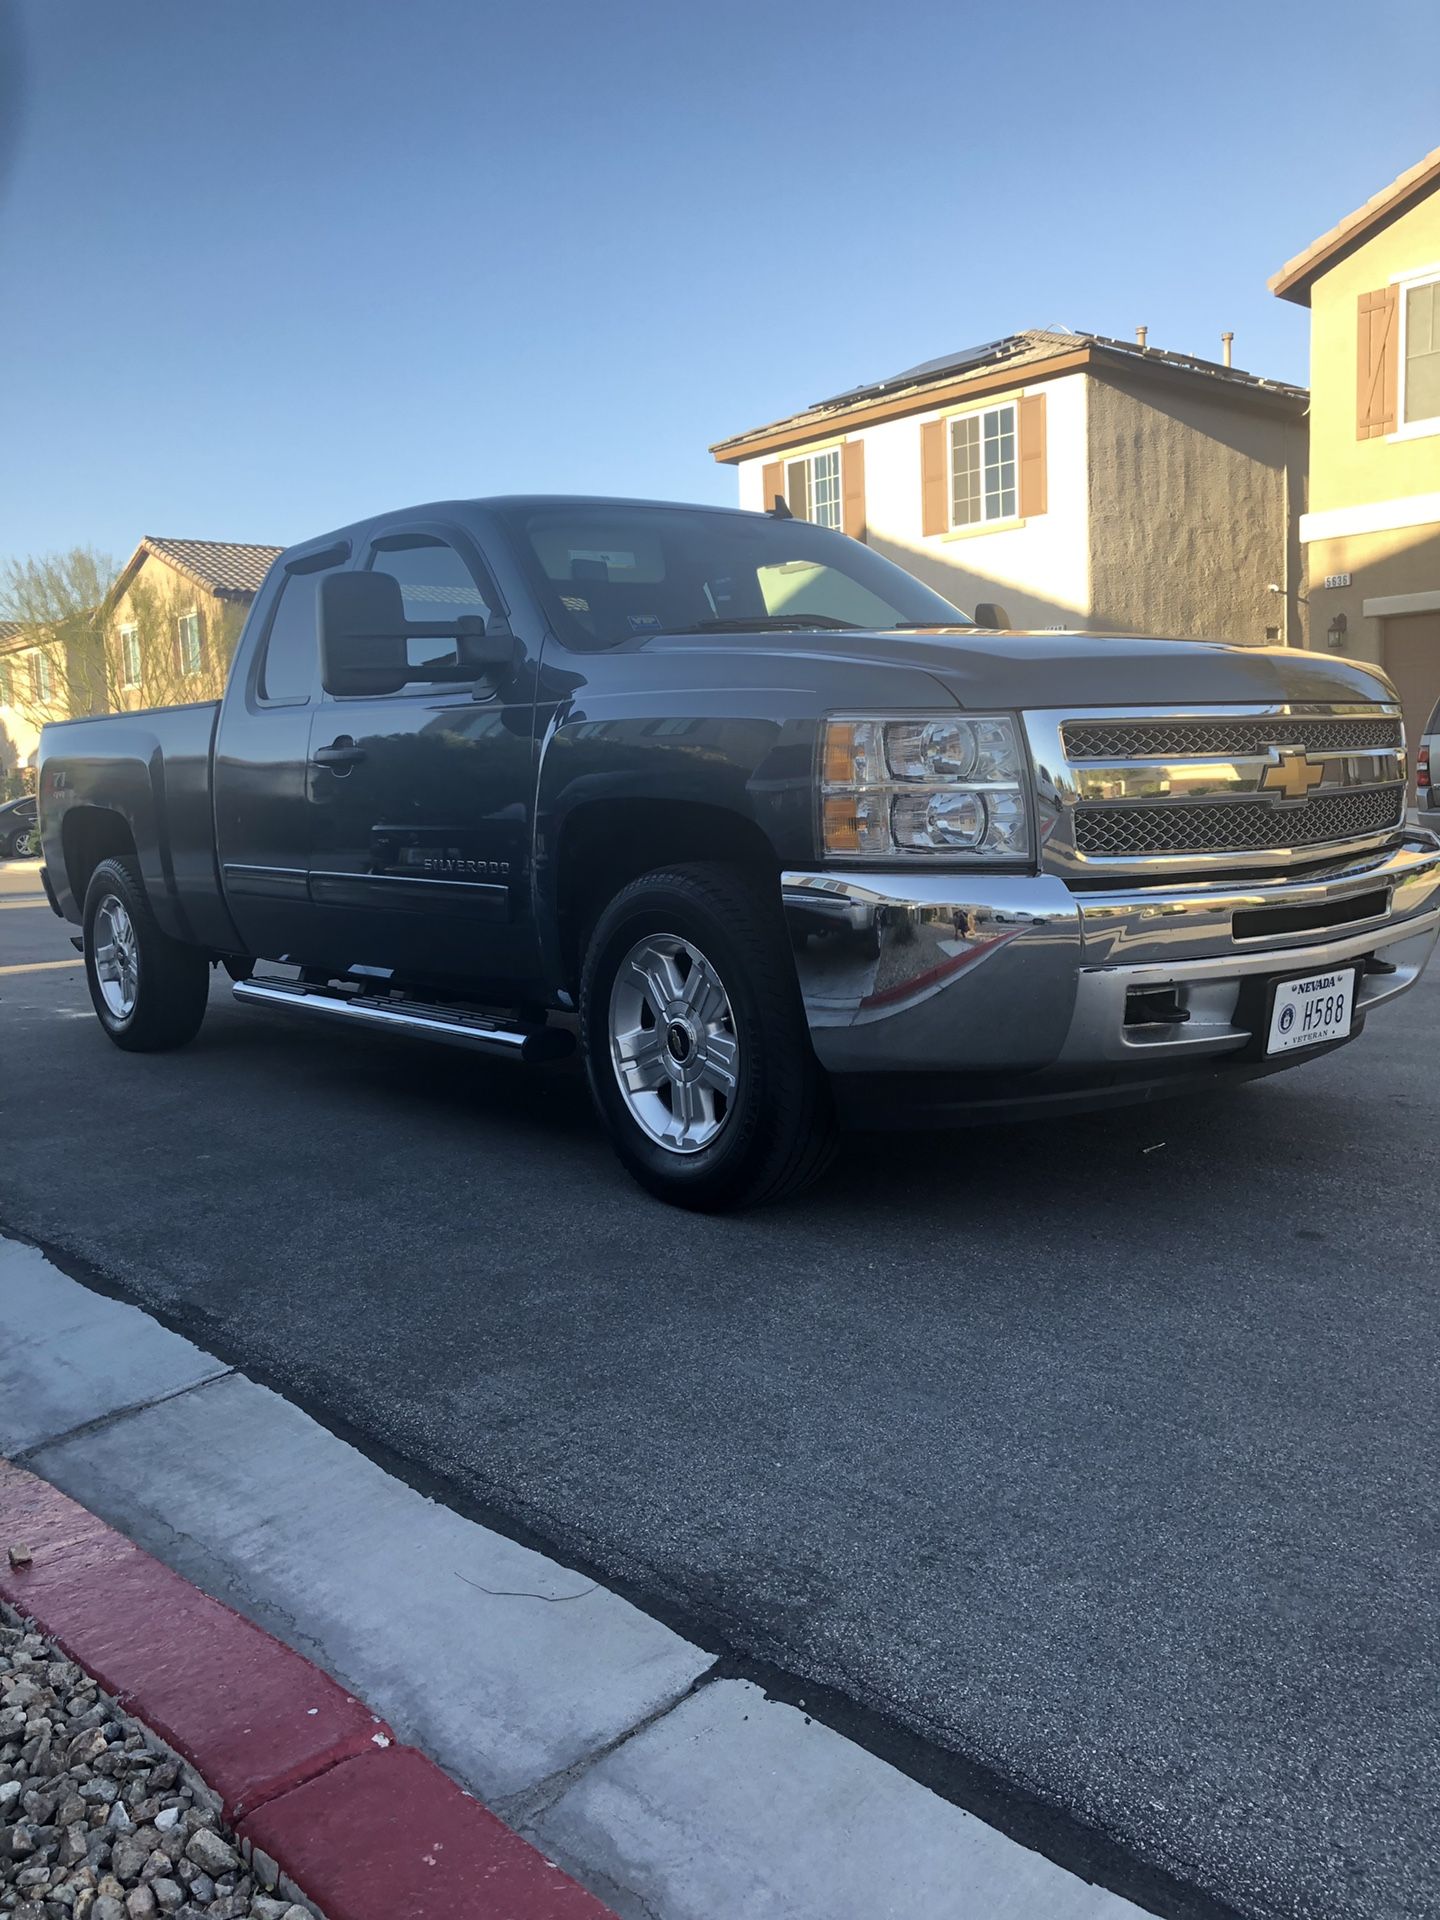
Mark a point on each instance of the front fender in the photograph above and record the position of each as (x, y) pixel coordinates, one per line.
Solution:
(755, 768)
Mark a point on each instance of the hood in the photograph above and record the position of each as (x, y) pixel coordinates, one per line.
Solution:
(1017, 670)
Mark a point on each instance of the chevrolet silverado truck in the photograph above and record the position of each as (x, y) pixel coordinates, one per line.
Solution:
(782, 836)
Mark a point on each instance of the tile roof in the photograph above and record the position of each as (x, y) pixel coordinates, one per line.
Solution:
(1294, 279)
(229, 568)
(1032, 348)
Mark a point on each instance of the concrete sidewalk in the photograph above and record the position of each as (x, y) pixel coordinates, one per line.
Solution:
(615, 1745)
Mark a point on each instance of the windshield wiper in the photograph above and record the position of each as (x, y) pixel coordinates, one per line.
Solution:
(772, 623)
(931, 626)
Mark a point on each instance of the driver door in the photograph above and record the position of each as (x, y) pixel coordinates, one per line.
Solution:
(420, 801)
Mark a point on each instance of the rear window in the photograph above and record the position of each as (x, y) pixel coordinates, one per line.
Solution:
(1432, 725)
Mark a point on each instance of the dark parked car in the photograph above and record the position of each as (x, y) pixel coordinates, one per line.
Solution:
(19, 831)
(790, 834)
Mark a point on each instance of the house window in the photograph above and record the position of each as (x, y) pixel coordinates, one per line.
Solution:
(42, 677)
(1420, 351)
(983, 467)
(7, 684)
(129, 656)
(812, 487)
(192, 655)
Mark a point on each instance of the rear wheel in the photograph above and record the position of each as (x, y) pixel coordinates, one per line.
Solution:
(26, 844)
(148, 991)
(695, 1042)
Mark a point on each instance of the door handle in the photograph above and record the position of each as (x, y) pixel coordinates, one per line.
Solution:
(339, 756)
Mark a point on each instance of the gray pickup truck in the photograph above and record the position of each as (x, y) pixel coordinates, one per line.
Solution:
(782, 835)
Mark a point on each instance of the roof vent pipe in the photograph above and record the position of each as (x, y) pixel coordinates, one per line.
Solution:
(1227, 341)
(1141, 334)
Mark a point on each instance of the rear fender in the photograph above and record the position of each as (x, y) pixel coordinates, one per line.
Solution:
(92, 808)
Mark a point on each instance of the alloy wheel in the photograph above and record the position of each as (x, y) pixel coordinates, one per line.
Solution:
(117, 956)
(673, 1043)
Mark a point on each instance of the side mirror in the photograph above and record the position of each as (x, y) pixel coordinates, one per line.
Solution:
(990, 614)
(363, 635)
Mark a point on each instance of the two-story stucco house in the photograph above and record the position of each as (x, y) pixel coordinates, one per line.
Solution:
(18, 732)
(1372, 532)
(44, 675)
(164, 635)
(1080, 481)
(173, 616)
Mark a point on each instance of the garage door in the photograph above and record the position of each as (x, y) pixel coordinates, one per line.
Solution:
(1411, 656)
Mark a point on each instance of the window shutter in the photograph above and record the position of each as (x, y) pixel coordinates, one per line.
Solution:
(852, 470)
(1031, 424)
(1376, 369)
(772, 483)
(934, 485)
(796, 478)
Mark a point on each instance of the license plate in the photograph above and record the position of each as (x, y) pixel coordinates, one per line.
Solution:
(1308, 1012)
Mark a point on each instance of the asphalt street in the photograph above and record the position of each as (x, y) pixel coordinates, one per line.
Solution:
(1090, 1469)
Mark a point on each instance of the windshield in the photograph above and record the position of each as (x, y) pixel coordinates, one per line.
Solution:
(609, 573)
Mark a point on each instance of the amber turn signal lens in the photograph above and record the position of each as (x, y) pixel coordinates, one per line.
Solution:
(839, 754)
(842, 829)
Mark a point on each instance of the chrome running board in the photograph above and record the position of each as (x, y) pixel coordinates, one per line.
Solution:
(411, 1019)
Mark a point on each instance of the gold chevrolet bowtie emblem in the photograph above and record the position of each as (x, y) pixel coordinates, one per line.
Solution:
(1291, 774)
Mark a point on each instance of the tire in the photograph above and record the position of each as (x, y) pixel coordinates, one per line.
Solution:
(159, 986)
(26, 844)
(698, 957)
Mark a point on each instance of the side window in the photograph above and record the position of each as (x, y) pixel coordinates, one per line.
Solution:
(436, 585)
(292, 646)
(1422, 352)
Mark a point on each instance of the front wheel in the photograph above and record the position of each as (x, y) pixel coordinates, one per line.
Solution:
(148, 990)
(695, 1042)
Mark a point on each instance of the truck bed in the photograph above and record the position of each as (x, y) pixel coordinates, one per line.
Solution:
(154, 768)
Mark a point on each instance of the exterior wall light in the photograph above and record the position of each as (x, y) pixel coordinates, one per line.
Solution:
(1335, 633)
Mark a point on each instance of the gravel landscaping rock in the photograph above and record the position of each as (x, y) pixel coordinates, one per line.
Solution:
(97, 1821)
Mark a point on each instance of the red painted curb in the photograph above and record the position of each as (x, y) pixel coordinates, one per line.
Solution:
(304, 1770)
(389, 1834)
(251, 1715)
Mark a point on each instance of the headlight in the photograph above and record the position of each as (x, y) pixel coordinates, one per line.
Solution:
(953, 787)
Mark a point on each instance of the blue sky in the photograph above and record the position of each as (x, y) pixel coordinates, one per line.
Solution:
(272, 264)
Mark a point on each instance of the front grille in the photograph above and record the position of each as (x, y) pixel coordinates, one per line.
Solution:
(1236, 826)
(1208, 739)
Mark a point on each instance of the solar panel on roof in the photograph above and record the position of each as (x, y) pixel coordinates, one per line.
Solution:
(946, 363)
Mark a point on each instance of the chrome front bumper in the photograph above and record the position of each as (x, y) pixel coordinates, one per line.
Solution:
(917, 972)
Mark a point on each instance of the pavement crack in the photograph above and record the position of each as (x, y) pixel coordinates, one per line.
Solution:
(23, 1456)
(525, 1809)
(615, 1893)
(523, 1593)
